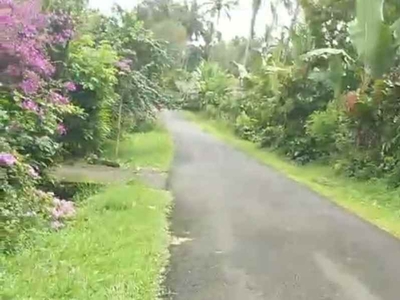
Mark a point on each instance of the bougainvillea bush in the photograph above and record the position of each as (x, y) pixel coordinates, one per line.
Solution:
(64, 92)
(33, 106)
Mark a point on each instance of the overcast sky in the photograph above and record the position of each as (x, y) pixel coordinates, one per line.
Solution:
(239, 25)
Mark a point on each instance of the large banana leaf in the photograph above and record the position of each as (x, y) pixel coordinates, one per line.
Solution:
(373, 38)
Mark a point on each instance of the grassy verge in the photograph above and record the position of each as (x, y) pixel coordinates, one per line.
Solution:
(370, 200)
(116, 248)
(150, 149)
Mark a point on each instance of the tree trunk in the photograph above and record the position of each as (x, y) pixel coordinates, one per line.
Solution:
(119, 128)
(256, 8)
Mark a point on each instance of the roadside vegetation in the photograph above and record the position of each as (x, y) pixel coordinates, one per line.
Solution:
(320, 92)
(150, 149)
(115, 248)
(371, 200)
(77, 86)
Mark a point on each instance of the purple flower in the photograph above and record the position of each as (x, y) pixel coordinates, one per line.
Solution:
(30, 105)
(67, 209)
(62, 209)
(7, 159)
(31, 84)
(56, 98)
(70, 86)
(61, 129)
(61, 27)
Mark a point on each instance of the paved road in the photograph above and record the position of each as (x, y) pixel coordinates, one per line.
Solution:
(257, 235)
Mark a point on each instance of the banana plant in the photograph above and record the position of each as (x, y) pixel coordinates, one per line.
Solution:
(374, 39)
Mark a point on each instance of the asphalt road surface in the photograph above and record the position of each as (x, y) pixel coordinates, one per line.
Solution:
(246, 232)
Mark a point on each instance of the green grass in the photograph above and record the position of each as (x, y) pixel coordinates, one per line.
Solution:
(116, 248)
(150, 149)
(372, 200)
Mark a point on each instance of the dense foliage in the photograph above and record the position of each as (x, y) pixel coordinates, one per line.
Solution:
(327, 89)
(70, 79)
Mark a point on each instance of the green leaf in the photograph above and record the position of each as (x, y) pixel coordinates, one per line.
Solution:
(372, 38)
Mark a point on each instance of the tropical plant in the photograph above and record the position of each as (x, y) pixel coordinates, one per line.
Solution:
(373, 38)
(218, 7)
(256, 4)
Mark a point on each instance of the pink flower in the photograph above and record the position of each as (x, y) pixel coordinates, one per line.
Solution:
(62, 209)
(7, 159)
(67, 209)
(56, 98)
(70, 86)
(61, 129)
(56, 213)
(30, 105)
(31, 84)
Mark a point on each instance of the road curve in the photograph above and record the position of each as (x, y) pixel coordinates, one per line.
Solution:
(246, 232)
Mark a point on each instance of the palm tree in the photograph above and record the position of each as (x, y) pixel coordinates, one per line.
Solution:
(192, 20)
(217, 7)
(255, 9)
(293, 8)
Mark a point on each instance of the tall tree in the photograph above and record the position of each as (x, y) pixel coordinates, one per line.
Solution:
(217, 7)
(255, 9)
(192, 20)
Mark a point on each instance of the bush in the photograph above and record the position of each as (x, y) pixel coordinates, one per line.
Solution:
(93, 67)
(322, 126)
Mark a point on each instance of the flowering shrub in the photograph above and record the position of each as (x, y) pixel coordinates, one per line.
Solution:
(32, 109)
(59, 95)
(93, 67)
(25, 207)
(61, 28)
(62, 210)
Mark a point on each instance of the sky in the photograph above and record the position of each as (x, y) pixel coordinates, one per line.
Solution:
(239, 25)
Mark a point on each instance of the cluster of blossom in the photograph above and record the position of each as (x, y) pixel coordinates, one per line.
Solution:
(59, 210)
(61, 129)
(70, 86)
(32, 106)
(62, 210)
(7, 159)
(57, 98)
(23, 38)
(31, 83)
(61, 28)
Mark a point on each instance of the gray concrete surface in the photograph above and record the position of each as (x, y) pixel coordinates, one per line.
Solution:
(250, 233)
